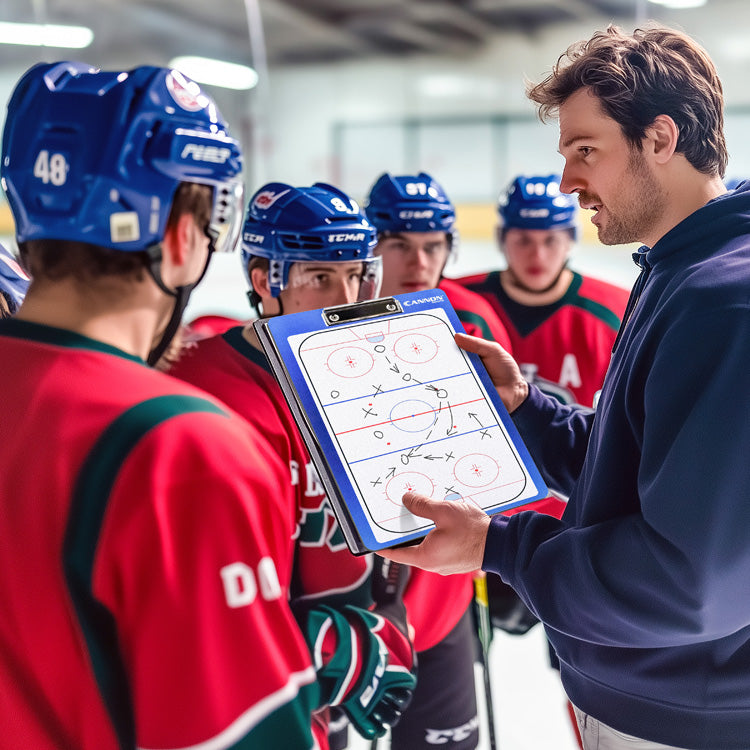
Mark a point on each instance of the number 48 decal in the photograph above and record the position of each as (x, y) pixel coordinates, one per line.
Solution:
(51, 168)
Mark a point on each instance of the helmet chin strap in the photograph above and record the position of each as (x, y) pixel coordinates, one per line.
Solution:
(257, 303)
(181, 297)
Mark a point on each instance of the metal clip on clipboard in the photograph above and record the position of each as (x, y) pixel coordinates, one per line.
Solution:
(361, 311)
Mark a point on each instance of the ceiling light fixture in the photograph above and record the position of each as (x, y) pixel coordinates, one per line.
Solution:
(216, 72)
(679, 4)
(45, 35)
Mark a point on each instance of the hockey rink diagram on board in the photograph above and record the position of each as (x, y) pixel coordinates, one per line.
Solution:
(405, 411)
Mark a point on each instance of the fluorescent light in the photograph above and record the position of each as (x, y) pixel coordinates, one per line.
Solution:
(679, 4)
(216, 72)
(45, 35)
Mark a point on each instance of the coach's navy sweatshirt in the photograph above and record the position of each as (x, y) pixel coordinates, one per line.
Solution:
(644, 585)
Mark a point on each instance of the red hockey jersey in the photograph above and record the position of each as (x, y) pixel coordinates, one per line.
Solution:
(146, 545)
(476, 314)
(324, 572)
(565, 347)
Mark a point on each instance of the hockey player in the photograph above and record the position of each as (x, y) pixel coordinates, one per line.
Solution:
(562, 325)
(416, 236)
(145, 551)
(302, 249)
(13, 284)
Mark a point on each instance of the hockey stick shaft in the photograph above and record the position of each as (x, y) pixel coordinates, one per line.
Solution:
(484, 630)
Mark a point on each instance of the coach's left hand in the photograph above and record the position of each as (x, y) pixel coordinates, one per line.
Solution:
(455, 545)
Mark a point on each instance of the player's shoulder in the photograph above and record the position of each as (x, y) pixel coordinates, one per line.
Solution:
(181, 414)
(468, 300)
(168, 396)
(193, 353)
(475, 281)
(222, 358)
(232, 370)
(460, 296)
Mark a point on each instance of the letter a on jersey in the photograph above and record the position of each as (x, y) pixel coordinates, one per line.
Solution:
(569, 372)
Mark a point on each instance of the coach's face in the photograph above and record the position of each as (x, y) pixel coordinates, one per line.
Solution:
(611, 177)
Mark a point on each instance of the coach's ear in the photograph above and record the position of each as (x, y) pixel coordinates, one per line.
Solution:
(661, 138)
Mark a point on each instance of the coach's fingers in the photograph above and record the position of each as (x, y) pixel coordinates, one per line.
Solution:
(477, 345)
(455, 545)
(501, 367)
(404, 555)
(425, 507)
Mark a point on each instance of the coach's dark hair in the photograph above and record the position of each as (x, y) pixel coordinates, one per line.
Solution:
(655, 71)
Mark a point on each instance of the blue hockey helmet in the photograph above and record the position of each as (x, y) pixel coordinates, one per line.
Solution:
(287, 225)
(410, 203)
(537, 203)
(13, 280)
(96, 157)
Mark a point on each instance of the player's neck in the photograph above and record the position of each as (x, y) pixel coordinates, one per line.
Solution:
(524, 296)
(129, 321)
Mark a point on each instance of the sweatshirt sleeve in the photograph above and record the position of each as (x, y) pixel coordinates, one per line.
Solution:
(556, 435)
(672, 566)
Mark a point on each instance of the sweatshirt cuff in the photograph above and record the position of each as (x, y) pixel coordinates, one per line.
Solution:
(494, 544)
(535, 413)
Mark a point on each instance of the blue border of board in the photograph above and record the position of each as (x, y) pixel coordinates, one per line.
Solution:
(283, 327)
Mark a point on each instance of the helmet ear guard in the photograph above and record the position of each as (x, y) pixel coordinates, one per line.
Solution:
(537, 203)
(321, 223)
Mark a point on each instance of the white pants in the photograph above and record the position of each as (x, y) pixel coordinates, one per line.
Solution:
(599, 736)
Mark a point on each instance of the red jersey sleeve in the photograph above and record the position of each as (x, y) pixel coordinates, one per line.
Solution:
(208, 642)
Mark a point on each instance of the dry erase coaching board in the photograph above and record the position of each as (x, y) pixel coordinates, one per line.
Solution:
(387, 404)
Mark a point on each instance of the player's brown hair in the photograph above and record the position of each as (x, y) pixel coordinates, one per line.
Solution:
(637, 77)
(54, 260)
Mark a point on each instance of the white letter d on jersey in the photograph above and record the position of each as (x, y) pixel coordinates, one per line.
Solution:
(241, 584)
(240, 587)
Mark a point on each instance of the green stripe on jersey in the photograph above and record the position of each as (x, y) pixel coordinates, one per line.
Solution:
(88, 506)
(466, 316)
(597, 310)
(527, 318)
(287, 727)
(44, 334)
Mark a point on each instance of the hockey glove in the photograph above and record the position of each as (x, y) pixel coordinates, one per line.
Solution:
(356, 670)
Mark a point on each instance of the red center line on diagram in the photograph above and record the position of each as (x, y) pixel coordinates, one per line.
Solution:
(410, 416)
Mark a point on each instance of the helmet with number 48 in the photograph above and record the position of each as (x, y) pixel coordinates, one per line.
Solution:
(96, 157)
